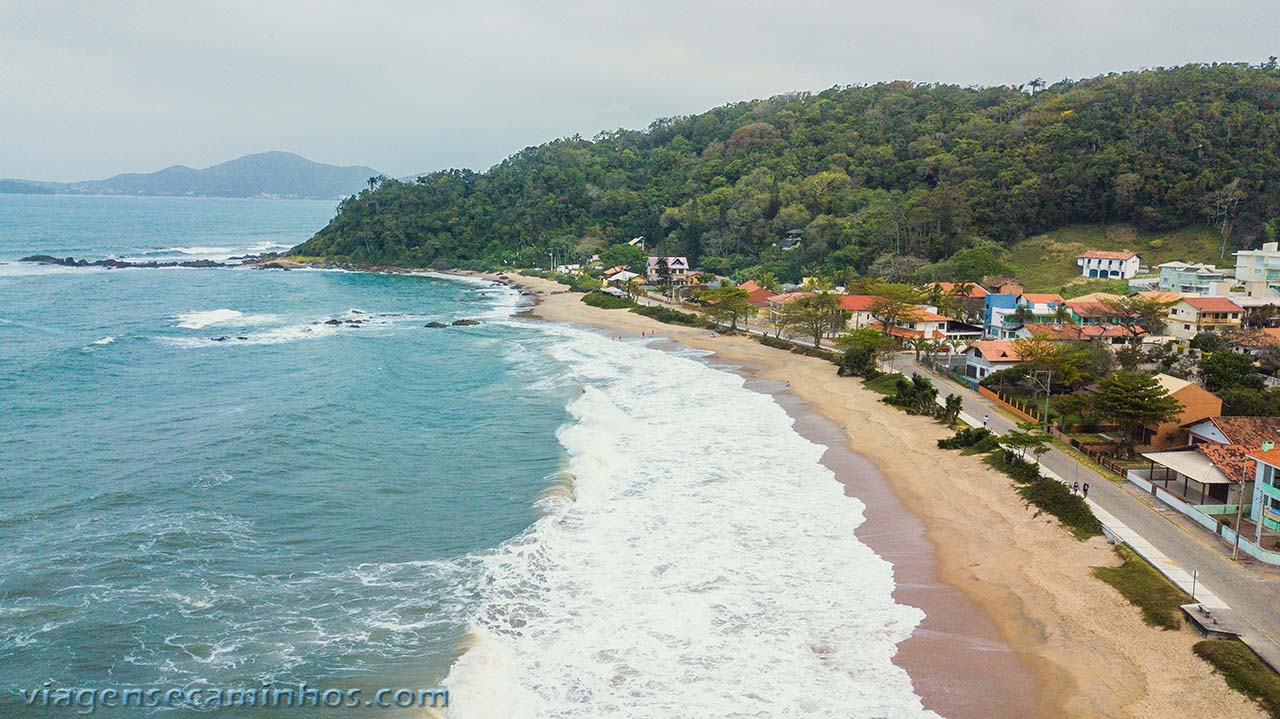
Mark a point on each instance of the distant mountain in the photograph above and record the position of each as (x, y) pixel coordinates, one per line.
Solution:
(266, 174)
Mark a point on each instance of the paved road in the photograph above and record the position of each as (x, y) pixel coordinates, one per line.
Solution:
(1251, 589)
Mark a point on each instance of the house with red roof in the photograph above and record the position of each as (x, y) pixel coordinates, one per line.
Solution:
(1190, 316)
(987, 356)
(1107, 264)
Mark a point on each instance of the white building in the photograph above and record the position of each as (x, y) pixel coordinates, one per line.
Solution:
(1188, 279)
(1261, 265)
(1106, 264)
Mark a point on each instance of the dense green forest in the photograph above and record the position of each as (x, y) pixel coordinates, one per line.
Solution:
(882, 178)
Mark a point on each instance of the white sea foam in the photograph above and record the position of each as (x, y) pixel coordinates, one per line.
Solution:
(209, 318)
(703, 566)
(104, 341)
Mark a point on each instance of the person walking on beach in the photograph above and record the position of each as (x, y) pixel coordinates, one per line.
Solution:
(1075, 487)
(1085, 489)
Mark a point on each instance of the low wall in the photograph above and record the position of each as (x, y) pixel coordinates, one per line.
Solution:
(1204, 516)
(985, 392)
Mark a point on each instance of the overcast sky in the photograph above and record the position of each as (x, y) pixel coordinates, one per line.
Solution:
(88, 90)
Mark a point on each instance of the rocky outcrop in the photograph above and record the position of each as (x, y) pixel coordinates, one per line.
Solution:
(465, 323)
(113, 264)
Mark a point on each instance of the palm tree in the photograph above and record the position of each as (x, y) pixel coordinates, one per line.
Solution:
(919, 344)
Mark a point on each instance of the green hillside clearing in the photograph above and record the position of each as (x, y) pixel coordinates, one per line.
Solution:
(1047, 262)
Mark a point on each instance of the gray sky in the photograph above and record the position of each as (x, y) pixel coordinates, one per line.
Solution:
(91, 89)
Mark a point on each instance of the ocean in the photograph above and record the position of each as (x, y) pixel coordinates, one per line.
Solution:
(236, 478)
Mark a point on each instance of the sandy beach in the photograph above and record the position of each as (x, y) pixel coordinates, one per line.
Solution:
(1017, 625)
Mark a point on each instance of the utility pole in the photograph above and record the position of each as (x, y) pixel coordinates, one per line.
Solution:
(1046, 385)
(1235, 549)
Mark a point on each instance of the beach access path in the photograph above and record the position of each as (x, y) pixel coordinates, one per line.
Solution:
(1251, 590)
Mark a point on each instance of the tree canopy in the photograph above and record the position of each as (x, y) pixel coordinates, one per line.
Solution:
(900, 174)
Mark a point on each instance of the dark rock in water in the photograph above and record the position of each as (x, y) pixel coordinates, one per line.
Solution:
(111, 263)
(464, 323)
(435, 324)
(218, 339)
(354, 324)
(242, 338)
(334, 322)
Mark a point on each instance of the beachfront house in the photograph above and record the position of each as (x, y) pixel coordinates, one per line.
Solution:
(1188, 279)
(984, 357)
(1107, 264)
(857, 310)
(668, 270)
(1214, 470)
(1190, 316)
(758, 297)
(1264, 511)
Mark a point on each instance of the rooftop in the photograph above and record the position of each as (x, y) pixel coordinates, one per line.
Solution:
(1213, 304)
(1107, 255)
(997, 350)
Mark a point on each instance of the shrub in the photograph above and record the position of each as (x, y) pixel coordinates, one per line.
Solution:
(669, 316)
(967, 437)
(915, 396)
(775, 342)
(607, 302)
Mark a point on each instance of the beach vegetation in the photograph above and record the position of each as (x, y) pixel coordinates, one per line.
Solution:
(886, 384)
(1046, 494)
(669, 316)
(914, 396)
(863, 349)
(607, 302)
(965, 437)
(1244, 671)
(1159, 600)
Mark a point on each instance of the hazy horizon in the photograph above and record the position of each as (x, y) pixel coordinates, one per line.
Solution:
(407, 89)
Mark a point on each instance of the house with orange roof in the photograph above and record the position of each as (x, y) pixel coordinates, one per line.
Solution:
(1108, 264)
(987, 356)
(1190, 316)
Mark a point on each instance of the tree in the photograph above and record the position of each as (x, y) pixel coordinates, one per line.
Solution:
(1134, 400)
(622, 254)
(1221, 370)
(951, 409)
(1022, 440)
(768, 281)
(815, 315)
(1138, 315)
(1037, 351)
(863, 350)
(728, 303)
(1129, 357)
(1206, 342)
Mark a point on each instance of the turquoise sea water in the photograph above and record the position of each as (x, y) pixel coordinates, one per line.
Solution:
(176, 510)
(206, 484)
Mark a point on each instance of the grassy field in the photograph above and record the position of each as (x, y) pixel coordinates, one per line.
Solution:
(1158, 598)
(1243, 671)
(1045, 263)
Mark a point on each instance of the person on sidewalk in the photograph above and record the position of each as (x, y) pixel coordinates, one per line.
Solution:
(1085, 488)
(985, 419)
(1075, 488)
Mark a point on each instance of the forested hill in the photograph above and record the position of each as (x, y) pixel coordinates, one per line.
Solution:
(898, 169)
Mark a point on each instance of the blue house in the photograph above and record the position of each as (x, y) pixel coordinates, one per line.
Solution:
(995, 310)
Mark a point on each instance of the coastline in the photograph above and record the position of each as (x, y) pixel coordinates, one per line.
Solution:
(995, 580)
